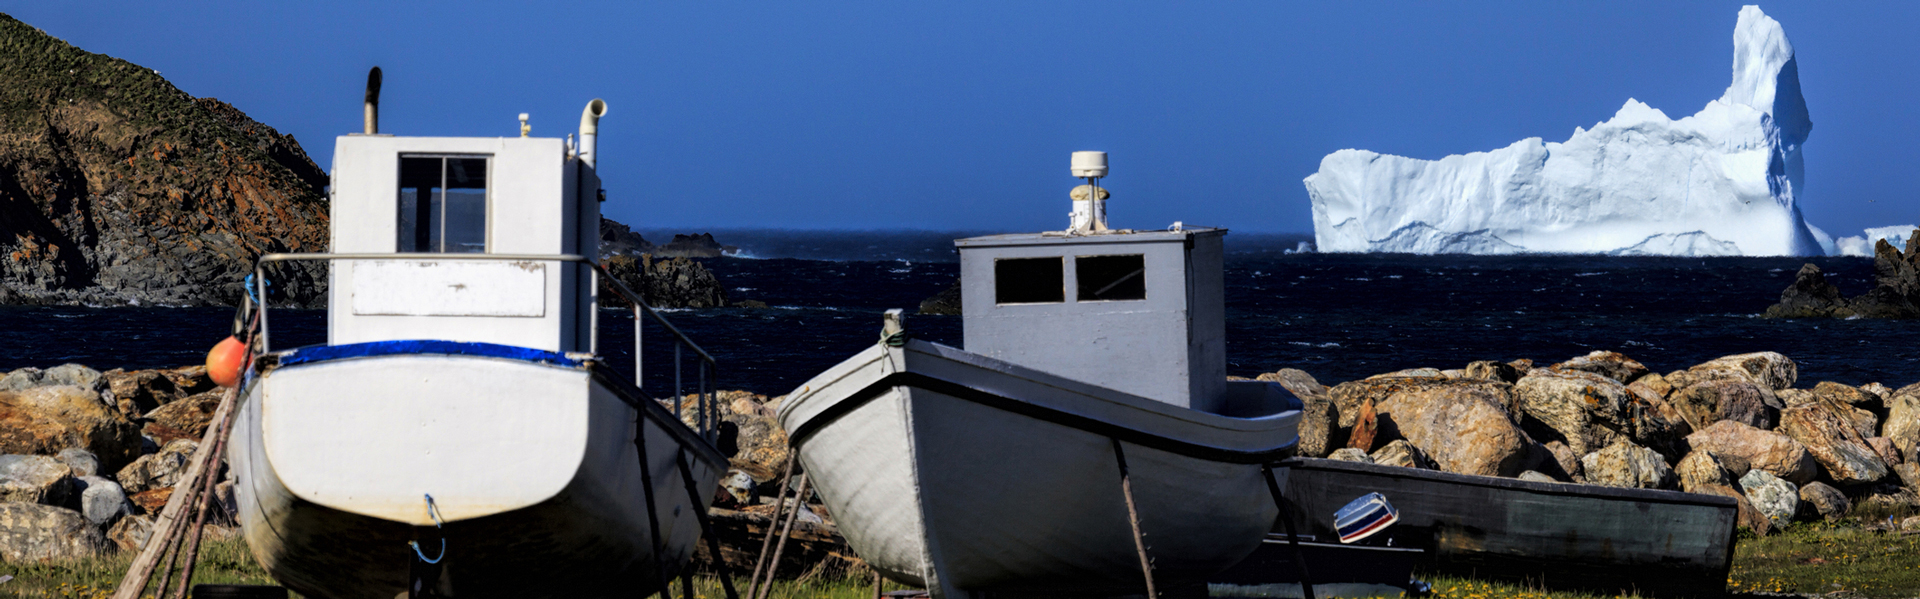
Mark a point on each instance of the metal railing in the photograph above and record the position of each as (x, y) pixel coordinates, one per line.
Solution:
(707, 417)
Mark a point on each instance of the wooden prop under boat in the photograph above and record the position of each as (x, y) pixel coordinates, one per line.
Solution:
(966, 474)
(1558, 535)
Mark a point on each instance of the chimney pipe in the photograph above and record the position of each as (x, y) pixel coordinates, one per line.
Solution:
(590, 130)
(373, 101)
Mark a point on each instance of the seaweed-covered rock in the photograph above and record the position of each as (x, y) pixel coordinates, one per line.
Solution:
(1624, 464)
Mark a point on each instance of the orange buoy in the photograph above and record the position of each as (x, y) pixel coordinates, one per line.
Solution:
(224, 362)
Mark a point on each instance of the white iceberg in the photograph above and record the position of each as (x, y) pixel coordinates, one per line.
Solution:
(1721, 182)
(1863, 245)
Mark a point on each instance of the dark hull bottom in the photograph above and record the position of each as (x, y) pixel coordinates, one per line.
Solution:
(1555, 535)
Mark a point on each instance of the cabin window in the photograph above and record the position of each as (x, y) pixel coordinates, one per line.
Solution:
(1029, 281)
(1111, 278)
(443, 204)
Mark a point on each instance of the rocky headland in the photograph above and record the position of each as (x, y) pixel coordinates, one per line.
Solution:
(619, 240)
(1895, 293)
(1736, 426)
(117, 188)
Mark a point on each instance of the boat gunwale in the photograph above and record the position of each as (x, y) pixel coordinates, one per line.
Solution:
(1513, 484)
(814, 422)
(598, 370)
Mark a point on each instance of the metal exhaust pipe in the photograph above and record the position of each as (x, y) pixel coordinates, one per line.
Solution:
(373, 102)
(590, 130)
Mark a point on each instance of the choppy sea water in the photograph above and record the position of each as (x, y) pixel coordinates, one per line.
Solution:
(1339, 317)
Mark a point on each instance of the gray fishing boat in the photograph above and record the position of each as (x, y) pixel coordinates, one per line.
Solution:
(1087, 430)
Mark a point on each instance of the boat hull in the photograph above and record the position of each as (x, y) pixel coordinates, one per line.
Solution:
(1559, 535)
(1009, 484)
(532, 467)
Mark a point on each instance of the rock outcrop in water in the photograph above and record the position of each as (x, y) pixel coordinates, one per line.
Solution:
(1606, 419)
(116, 188)
(1895, 294)
(617, 239)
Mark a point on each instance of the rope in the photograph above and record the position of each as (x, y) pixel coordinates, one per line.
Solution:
(433, 511)
(897, 339)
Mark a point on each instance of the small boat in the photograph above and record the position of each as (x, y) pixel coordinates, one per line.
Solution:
(459, 434)
(1557, 535)
(1087, 430)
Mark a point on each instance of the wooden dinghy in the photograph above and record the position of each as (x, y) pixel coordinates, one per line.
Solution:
(1558, 535)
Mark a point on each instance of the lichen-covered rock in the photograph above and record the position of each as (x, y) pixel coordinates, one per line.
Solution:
(1610, 364)
(1319, 418)
(1827, 502)
(1624, 464)
(1652, 383)
(1587, 410)
(1748, 516)
(1463, 426)
(1839, 449)
(1488, 370)
(1908, 473)
(80, 460)
(130, 532)
(102, 500)
(749, 429)
(1536, 476)
(140, 391)
(1349, 454)
(1773, 452)
(1903, 421)
(1704, 403)
(1403, 454)
(1776, 498)
(158, 470)
(33, 532)
(1848, 403)
(1348, 396)
(1700, 470)
(1771, 369)
(1566, 457)
(35, 479)
(186, 418)
(44, 420)
(1884, 448)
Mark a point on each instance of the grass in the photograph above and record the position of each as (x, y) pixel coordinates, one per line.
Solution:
(1838, 560)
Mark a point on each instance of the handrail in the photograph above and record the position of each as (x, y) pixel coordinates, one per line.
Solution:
(707, 362)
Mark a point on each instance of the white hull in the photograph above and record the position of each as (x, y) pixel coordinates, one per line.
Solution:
(969, 475)
(533, 467)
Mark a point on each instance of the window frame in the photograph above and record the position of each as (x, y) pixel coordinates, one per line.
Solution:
(1060, 260)
(1141, 274)
(486, 224)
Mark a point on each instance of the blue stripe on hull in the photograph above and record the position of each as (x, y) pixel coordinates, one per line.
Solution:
(323, 353)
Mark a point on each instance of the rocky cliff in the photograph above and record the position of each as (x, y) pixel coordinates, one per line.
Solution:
(117, 188)
(1895, 294)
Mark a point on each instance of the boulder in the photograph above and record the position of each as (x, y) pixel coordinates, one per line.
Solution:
(190, 380)
(1704, 403)
(1536, 477)
(1878, 390)
(1348, 396)
(1903, 421)
(1610, 364)
(749, 429)
(1769, 369)
(1410, 373)
(141, 391)
(102, 500)
(1776, 498)
(130, 532)
(1624, 464)
(65, 374)
(35, 479)
(1587, 410)
(1827, 502)
(152, 500)
(1319, 420)
(1839, 449)
(1747, 516)
(186, 418)
(80, 460)
(1403, 454)
(1879, 500)
(1909, 473)
(1846, 394)
(159, 470)
(1884, 448)
(1652, 383)
(1349, 454)
(1841, 401)
(1487, 370)
(32, 532)
(946, 302)
(1699, 470)
(45, 420)
(1463, 426)
(1365, 428)
(1654, 423)
(1522, 366)
(1773, 452)
(1566, 457)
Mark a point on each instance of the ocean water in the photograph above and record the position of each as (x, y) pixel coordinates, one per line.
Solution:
(1337, 316)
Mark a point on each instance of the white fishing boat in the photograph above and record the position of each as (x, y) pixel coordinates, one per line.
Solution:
(1087, 430)
(458, 434)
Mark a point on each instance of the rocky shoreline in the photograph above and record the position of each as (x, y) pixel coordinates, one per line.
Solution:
(1895, 294)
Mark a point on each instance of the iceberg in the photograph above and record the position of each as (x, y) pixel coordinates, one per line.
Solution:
(1722, 182)
(1863, 245)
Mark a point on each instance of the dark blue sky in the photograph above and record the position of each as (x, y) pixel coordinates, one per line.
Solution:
(961, 115)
